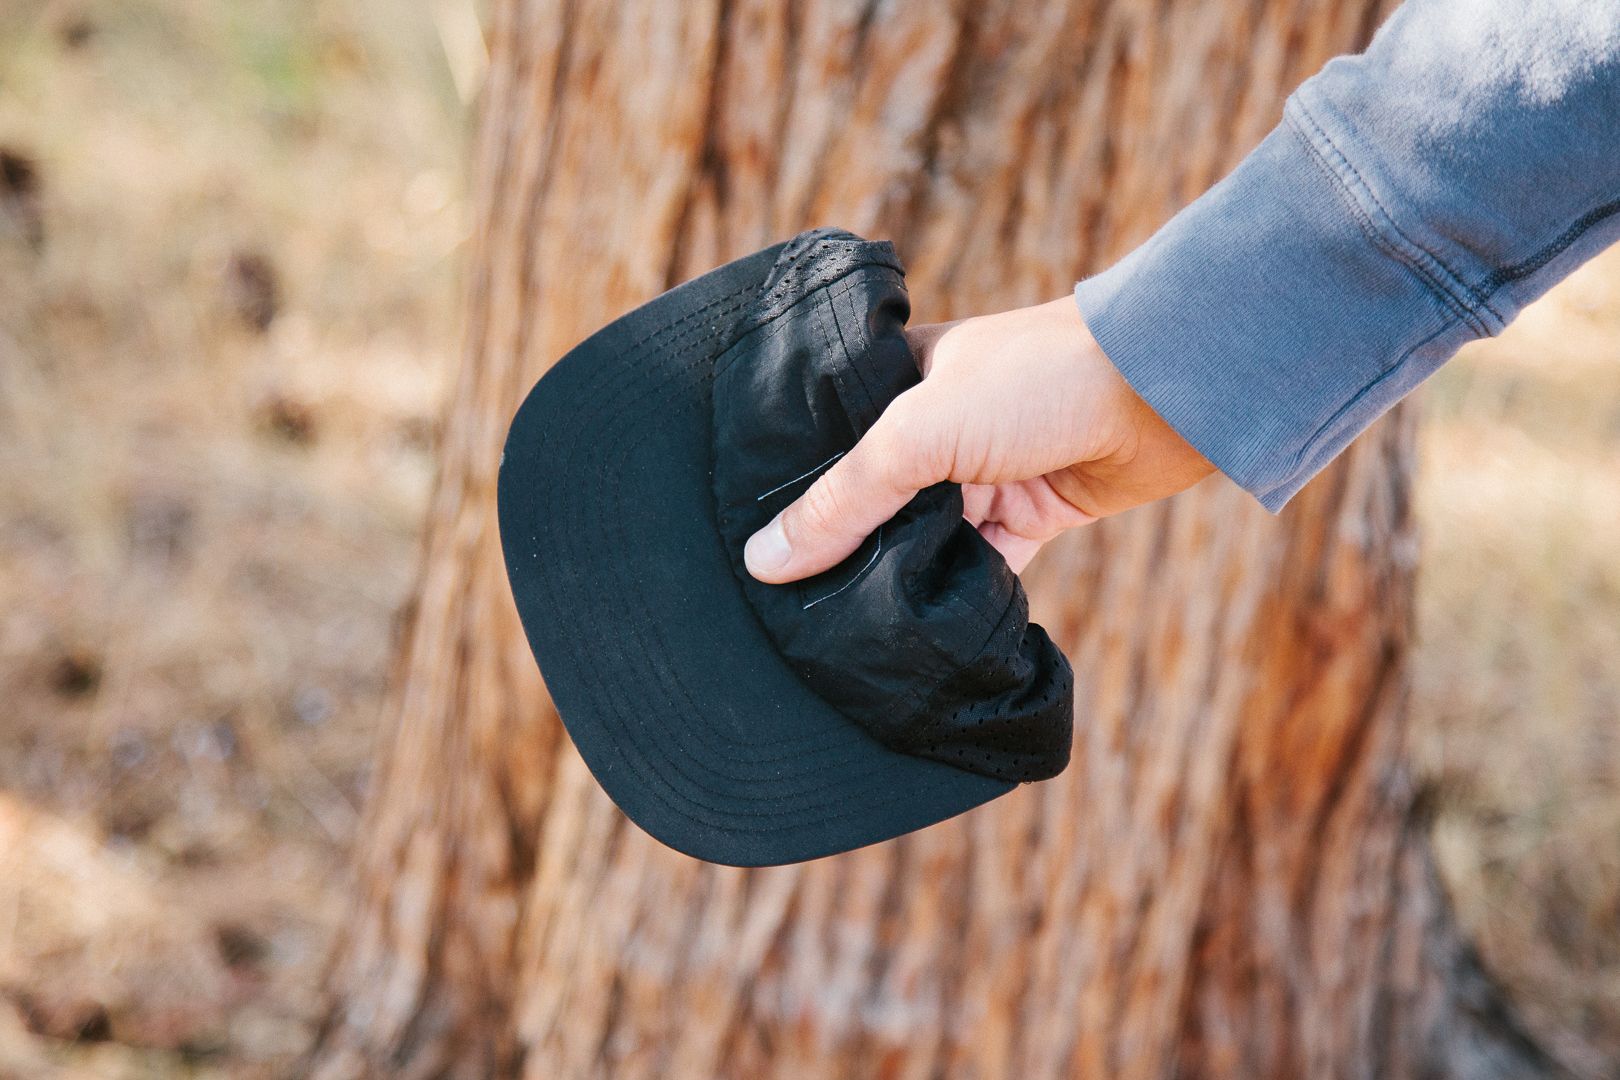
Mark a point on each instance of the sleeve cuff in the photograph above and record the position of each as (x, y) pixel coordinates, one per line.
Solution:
(1273, 319)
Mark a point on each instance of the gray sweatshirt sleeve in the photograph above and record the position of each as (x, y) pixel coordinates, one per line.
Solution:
(1414, 197)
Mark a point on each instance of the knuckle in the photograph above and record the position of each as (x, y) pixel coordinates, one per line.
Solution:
(901, 452)
(820, 512)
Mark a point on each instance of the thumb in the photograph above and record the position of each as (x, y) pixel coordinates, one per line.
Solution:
(863, 489)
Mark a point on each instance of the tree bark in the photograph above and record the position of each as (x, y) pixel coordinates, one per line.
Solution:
(1233, 876)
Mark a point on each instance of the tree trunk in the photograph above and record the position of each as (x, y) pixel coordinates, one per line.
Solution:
(1232, 879)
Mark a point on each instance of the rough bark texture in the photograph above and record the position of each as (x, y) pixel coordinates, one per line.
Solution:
(1232, 878)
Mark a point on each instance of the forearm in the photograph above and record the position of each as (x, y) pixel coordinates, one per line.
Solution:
(1414, 197)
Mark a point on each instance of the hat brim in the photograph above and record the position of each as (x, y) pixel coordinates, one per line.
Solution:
(664, 677)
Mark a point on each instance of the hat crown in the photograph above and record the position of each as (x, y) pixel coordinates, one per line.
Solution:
(922, 636)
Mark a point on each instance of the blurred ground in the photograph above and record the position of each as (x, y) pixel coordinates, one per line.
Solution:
(228, 236)
(1518, 669)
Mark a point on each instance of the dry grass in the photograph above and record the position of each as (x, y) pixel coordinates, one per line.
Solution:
(227, 249)
(226, 310)
(1519, 665)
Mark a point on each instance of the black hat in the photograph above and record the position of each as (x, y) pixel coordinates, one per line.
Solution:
(740, 722)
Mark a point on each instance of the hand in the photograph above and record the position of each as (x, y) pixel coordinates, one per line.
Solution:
(1023, 410)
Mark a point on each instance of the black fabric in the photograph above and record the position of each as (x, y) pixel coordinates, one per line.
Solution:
(922, 636)
(679, 700)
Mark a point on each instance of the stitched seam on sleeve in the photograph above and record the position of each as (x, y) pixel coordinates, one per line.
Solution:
(1440, 278)
(1369, 228)
(1508, 274)
(1443, 276)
